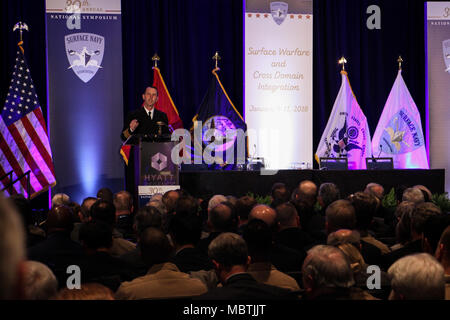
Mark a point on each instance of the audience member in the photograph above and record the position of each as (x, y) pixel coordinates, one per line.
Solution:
(258, 237)
(104, 211)
(39, 281)
(413, 195)
(427, 195)
(417, 277)
(420, 215)
(283, 258)
(58, 251)
(100, 266)
(34, 234)
(84, 215)
(163, 280)
(289, 232)
(105, 194)
(243, 207)
(60, 199)
(327, 275)
(279, 194)
(221, 218)
(123, 202)
(229, 255)
(403, 214)
(88, 291)
(365, 205)
(349, 242)
(185, 231)
(12, 252)
(375, 189)
(443, 255)
(146, 217)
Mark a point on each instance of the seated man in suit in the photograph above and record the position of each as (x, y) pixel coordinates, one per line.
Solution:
(147, 120)
(230, 258)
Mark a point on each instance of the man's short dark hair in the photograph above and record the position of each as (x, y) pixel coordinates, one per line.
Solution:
(258, 237)
(147, 217)
(223, 217)
(155, 247)
(103, 210)
(286, 213)
(280, 194)
(187, 205)
(243, 207)
(96, 235)
(329, 193)
(421, 213)
(185, 229)
(433, 228)
(228, 249)
(340, 215)
(105, 194)
(365, 205)
(85, 210)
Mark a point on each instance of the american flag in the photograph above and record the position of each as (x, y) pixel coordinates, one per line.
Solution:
(24, 144)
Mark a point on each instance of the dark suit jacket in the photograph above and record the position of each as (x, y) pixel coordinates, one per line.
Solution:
(58, 252)
(146, 125)
(294, 238)
(243, 286)
(192, 259)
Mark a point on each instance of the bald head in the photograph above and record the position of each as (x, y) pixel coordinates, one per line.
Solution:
(264, 213)
(375, 189)
(343, 236)
(307, 192)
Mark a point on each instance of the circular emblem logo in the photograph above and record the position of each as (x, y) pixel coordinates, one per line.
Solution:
(352, 133)
(221, 126)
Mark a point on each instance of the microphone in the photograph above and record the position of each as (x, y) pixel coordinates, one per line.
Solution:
(254, 152)
(381, 149)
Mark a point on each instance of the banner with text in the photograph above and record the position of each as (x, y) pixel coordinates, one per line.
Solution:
(84, 41)
(438, 86)
(278, 82)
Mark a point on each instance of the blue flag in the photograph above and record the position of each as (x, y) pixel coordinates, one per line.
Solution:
(218, 113)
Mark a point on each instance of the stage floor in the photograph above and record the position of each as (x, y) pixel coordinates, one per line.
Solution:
(239, 183)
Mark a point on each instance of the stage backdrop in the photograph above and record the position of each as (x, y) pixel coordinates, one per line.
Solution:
(84, 43)
(438, 85)
(278, 81)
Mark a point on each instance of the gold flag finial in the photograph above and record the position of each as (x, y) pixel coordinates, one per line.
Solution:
(342, 61)
(20, 26)
(399, 60)
(155, 59)
(217, 58)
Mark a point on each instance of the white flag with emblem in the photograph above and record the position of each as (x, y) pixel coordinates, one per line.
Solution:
(399, 131)
(347, 132)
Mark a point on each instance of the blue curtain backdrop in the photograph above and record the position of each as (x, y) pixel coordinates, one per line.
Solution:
(187, 33)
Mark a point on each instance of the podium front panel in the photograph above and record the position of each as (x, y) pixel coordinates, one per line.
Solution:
(156, 166)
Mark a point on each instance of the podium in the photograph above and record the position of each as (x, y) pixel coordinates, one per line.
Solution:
(150, 170)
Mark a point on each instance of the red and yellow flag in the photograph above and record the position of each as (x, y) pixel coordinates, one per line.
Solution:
(165, 102)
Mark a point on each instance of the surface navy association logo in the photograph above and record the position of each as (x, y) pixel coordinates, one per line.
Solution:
(402, 134)
(85, 54)
(279, 11)
(446, 48)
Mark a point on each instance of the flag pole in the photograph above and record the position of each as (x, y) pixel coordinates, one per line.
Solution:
(400, 60)
(20, 26)
(216, 57)
(342, 61)
(155, 59)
